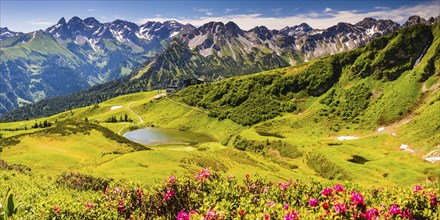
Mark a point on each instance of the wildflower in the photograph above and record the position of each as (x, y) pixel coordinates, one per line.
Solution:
(417, 188)
(370, 214)
(116, 191)
(168, 195)
(271, 204)
(266, 216)
(394, 210)
(241, 213)
(172, 180)
(313, 202)
(406, 213)
(325, 205)
(56, 209)
(203, 175)
(284, 186)
(121, 208)
(231, 176)
(357, 198)
(338, 188)
(107, 190)
(247, 176)
(327, 191)
(286, 206)
(340, 208)
(89, 205)
(212, 214)
(433, 200)
(291, 216)
(182, 216)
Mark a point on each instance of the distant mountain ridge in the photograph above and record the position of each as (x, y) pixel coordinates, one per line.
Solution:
(96, 52)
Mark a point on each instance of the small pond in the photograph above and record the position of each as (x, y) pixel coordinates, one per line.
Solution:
(166, 136)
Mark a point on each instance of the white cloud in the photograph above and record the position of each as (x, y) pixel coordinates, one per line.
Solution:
(158, 15)
(327, 10)
(91, 10)
(229, 10)
(316, 20)
(41, 22)
(207, 11)
(381, 8)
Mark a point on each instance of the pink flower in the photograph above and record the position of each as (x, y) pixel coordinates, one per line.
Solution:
(327, 191)
(231, 176)
(116, 191)
(417, 188)
(56, 209)
(394, 210)
(182, 216)
(203, 175)
(172, 179)
(168, 195)
(193, 212)
(313, 202)
(325, 205)
(286, 206)
(266, 216)
(339, 188)
(406, 213)
(89, 205)
(247, 176)
(291, 216)
(211, 215)
(433, 200)
(357, 198)
(271, 204)
(371, 214)
(121, 206)
(340, 208)
(284, 186)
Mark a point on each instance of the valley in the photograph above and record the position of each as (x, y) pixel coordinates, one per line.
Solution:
(300, 123)
(297, 138)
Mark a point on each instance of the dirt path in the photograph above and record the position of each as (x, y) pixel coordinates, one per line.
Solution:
(139, 117)
(183, 104)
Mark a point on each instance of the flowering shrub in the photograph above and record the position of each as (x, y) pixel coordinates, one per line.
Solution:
(209, 196)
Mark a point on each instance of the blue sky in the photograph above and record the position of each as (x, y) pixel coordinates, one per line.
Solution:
(26, 16)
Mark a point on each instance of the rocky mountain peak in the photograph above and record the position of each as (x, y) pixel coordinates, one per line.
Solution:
(297, 30)
(91, 21)
(62, 21)
(415, 20)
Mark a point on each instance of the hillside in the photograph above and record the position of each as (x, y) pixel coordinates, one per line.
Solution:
(291, 119)
(213, 51)
(285, 142)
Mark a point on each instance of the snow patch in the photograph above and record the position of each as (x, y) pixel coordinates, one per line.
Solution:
(432, 159)
(406, 148)
(343, 138)
(115, 107)
(174, 34)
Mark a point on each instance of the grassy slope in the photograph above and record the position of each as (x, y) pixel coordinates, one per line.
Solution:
(310, 130)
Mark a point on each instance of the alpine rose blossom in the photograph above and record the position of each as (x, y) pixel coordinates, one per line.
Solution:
(357, 198)
(339, 188)
(313, 202)
(183, 215)
(394, 210)
(417, 188)
(327, 191)
(291, 216)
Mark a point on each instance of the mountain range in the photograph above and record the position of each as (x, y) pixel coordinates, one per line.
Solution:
(78, 54)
